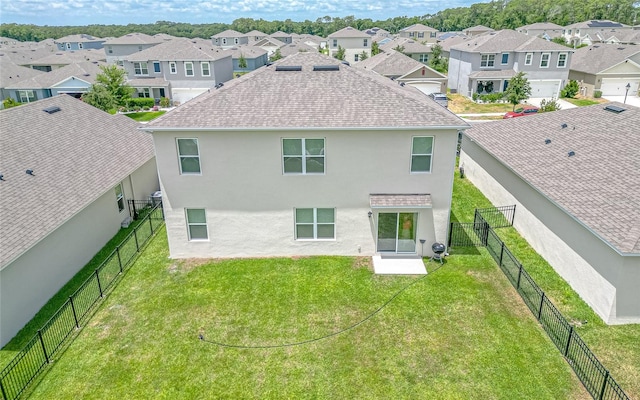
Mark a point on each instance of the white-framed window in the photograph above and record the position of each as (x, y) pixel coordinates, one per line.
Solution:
(188, 156)
(109, 50)
(188, 68)
(303, 156)
(423, 58)
(26, 96)
(365, 42)
(412, 34)
(315, 223)
(156, 66)
(544, 60)
(173, 68)
(224, 40)
(120, 63)
(68, 46)
(236, 41)
(205, 69)
(356, 57)
(335, 43)
(120, 197)
(421, 153)
(420, 34)
(505, 59)
(432, 34)
(487, 60)
(562, 60)
(140, 68)
(528, 59)
(144, 92)
(80, 46)
(196, 223)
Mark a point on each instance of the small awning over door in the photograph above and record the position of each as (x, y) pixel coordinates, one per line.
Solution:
(420, 200)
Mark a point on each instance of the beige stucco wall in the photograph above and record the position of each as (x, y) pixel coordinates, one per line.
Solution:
(594, 270)
(352, 46)
(250, 202)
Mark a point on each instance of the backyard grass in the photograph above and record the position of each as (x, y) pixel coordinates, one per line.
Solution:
(582, 101)
(145, 116)
(459, 333)
(459, 104)
(617, 347)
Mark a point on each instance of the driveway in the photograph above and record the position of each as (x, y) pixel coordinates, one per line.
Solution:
(633, 100)
(564, 105)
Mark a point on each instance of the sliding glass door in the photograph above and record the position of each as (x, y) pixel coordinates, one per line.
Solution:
(397, 232)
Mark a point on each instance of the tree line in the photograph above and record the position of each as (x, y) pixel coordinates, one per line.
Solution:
(496, 14)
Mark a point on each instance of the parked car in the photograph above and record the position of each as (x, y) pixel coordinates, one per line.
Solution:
(521, 111)
(440, 98)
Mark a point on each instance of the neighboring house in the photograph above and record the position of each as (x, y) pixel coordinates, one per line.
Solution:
(353, 41)
(588, 32)
(284, 37)
(608, 68)
(330, 160)
(405, 71)
(79, 42)
(448, 42)
(254, 57)
(296, 47)
(60, 59)
(117, 49)
(477, 31)
(255, 35)
(574, 178)
(268, 44)
(190, 66)
(12, 73)
(378, 33)
(623, 37)
(229, 38)
(73, 80)
(22, 53)
(409, 47)
(485, 64)
(419, 32)
(545, 30)
(85, 165)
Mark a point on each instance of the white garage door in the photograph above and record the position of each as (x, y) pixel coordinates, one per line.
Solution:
(182, 95)
(545, 89)
(427, 87)
(616, 86)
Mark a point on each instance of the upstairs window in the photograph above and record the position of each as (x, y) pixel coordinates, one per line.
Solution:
(335, 42)
(420, 34)
(173, 69)
(487, 60)
(140, 68)
(365, 42)
(156, 66)
(562, 60)
(421, 153)
(423, 58)
(544, 60)
(528, 58)
(188, 68)
(303, 156)
(505, 58)
(204, 67)
(80, 46)
(109, 50)
(189, 156)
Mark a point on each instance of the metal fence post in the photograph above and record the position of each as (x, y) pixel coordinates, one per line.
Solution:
(73, 308)
(604, 384)
(98, 279)
(150, 224)
(44, 349)
(541, 304)
(501, 253)
(450, 233)
(519, 275)
(513, 214)
(119, 259)
(135, 236)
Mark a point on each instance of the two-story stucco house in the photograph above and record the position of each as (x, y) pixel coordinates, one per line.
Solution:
(486, 63)
(67, 171)
(353, 41)
(411, 47)
(545, 30)
(117, 49)
(419, 32)
(188, 67)
(79, 42)
(314, 168)
(229, 38)
(589, 32)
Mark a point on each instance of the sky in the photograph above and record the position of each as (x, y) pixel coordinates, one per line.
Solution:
(122, 12)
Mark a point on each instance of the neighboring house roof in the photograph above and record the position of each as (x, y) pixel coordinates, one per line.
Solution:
(348, 32)
(541, 26)
(82, 38)
(507, 40)
(135, 38)
(148, 82)
(229, 33)
(448, 35)
(410, 46)
(85, 71)
(391, 64)
(493, 74)
(375, 31)
(255, 33)
(599, 57)
(12, 73)
(447, 43)
(598, 24)
(245, 51)
(478, 28)
(627, 36)
(165, 37)
(297, 47)
(308, 99)
(69, 57)
(418, 28)
(181, 49)
(279, 34)
(599, 185)
(77, 155)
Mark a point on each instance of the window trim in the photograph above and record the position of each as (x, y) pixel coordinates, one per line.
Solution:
(26, 92)
(334, 43)
(365, 42)
(315, 224)
(530, 59)
(356, 57)
(491, 58)
(189, 156)
(173, 67)
(304, 156)
(423, 58)
(189, 224)
(413, 154)
(186, 73)
(566, 57)
(202, 64)
(80, 46)
(548, 60)
(142, 70)
(159, 70)
(120, 197)
(502, 62)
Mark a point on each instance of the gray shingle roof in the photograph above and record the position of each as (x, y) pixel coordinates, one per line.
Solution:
(134, 38)
(541, 25)
(85, 71)
(229, 33)
(410, 46)
(309, 99)
(418, 28)
(603, 24)
(81, 38)
(11, 73)
(77, 154)
(348, 32)
(599, 185)
(245, 51)
(69, 57)
(390, 63)
(507, 40)
(181, 49)
(419, 200)
(596, 58)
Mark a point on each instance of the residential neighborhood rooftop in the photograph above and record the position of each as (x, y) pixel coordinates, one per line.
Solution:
(598, 57)
(134, 38)
(348, 32)
(85, 71)
(507, 40)
(181, 49)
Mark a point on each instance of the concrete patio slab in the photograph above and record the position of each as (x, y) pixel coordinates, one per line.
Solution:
(398, 265)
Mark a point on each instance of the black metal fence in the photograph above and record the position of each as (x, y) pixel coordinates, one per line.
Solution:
(16, 377)
(593, 375)
(140, 208)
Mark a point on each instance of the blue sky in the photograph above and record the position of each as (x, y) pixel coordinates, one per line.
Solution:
(122, 12)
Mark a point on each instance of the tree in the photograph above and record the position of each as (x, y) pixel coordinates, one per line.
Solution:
(242, 62)
(561, 40)
(518, 89)
(399, 49)
(375, 48)
(110, 90)
(340, 53)
(438, 62)
(276, 55)
(363, 56)
(570, 90)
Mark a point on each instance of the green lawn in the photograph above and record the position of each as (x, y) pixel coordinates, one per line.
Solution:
(460, 104)
(145, 116)
(581, 102)
(615, 346)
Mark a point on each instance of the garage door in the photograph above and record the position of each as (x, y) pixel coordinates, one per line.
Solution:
(182, 95)
(427, 87)
(616, 86)
(545, 89)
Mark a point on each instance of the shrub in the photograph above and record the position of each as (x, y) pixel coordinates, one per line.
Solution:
(597, 94)
(570, 90)
(139, 102)
(492, 97)
(145, 108)
(475, 96)
(9, 102)
(164, 102)
(549, 105)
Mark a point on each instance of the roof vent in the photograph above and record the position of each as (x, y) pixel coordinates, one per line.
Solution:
(547, 141)
(572, 153)
(334, 67)
(30, 172)
(289, 68)
(1, 177)
(615, 109)
(563, 126)
(219, 85)
(51, 110)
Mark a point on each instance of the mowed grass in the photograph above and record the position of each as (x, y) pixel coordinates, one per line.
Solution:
(460, 104)
(459, 333)
(145, 116)
(616, 346)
